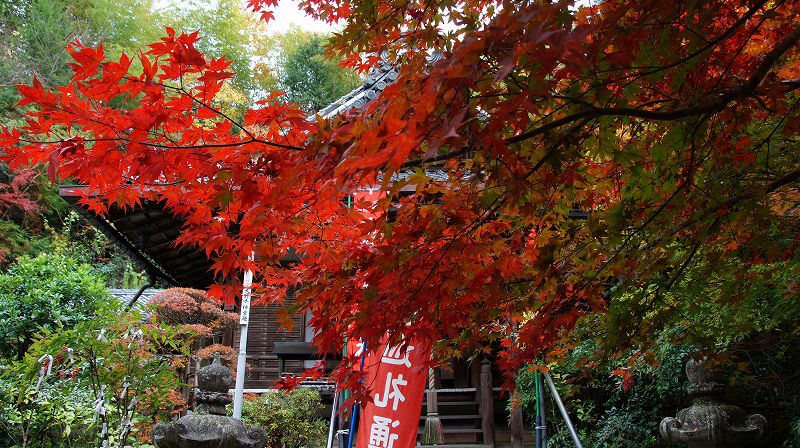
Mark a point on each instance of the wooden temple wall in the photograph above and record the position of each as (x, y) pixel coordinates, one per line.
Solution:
(263, 331)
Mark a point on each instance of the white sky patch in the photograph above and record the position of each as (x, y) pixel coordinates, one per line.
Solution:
(288, 13)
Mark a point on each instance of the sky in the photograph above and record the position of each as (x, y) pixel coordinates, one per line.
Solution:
(288, 13)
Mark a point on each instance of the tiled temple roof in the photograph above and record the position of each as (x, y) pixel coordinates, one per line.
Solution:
(125, 296)
(377, 79)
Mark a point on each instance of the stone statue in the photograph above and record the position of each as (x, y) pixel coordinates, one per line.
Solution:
(709, 423)
(209, 426)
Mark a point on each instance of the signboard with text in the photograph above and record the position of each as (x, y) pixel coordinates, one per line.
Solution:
(396, 377)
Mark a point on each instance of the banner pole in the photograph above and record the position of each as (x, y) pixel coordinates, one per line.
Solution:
(354, 415)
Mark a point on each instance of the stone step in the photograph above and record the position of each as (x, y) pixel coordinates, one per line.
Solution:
(454, 417)
(455, 403)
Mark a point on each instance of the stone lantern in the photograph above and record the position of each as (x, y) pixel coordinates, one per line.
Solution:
(709, 423)
(209, 426)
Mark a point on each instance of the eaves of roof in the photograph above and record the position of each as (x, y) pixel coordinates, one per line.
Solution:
(147, 234)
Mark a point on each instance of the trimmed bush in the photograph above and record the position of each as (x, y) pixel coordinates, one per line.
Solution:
(46, 293)
(290, 418)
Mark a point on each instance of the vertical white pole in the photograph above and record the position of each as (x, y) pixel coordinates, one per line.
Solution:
(241, 361)
(334, 407)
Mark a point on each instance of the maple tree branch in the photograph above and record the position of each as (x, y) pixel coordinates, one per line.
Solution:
(766, 140)
(726, 206)
(720, 102)
(635, 231)
(671, 282)
(657, 212)
(649, 70)
(736, 54)
(561, 141)
(711, 44)
(790, 84)
(490, 210)
(214, 110)
(762, 103)
(203, 145)
(163, 184)
(237, 124)
(688, 260)
(163, 146)
(253, 138)
(436, 158)
(388, 16)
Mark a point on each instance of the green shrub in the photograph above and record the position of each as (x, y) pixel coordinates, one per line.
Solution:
(108, 359)
(612, 407)
(58, 414)
(45, 293)
(290, 418)
(73, 237)
(795, 435)
(620, 375)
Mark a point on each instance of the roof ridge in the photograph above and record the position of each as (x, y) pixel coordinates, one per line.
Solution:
(379, 76)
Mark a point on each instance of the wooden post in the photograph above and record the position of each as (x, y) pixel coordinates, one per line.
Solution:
(433, 434)
(515, 422)
(486, 403)
(475, 374)
(433, 399)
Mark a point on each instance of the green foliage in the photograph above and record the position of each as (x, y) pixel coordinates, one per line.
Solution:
(124, 26)
(227, 31)
(33, 34)
(290, 418)
(795, 441)
(748, 319)
(743, 312)
(16, 241)
(111, 360)
(56, 412)
(33, 41)
(64, 233)
(27, 24)
(298, 65)
(45, 293)
(716, 302)
(28, 204)
(77, 239)
(612, 406)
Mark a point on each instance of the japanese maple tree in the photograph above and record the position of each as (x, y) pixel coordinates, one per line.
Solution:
(554, 150)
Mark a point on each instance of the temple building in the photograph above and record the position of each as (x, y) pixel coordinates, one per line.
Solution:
(470, 405)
